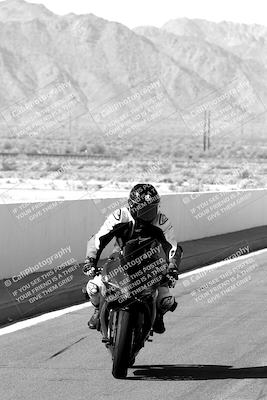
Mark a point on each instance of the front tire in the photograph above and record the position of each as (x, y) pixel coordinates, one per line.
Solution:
(123, 345)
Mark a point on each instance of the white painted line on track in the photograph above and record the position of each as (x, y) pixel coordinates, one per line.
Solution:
(55, 314)
(222, 263)
(42, 318)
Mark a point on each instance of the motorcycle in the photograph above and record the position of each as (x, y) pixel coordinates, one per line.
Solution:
(128, 300)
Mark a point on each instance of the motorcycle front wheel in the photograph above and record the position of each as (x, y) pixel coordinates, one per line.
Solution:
(123, 345)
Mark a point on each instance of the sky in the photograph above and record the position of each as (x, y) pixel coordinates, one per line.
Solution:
(134, 13)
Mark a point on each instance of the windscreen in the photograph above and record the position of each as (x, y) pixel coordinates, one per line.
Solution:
(138, 271)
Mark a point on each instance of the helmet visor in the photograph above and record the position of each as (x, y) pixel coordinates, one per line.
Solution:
(148, 212)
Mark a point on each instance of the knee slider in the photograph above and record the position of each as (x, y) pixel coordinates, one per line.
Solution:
(92, 289)
(167, 304)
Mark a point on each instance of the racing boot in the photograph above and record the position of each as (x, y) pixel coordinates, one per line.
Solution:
(93, 322)
(159, 326)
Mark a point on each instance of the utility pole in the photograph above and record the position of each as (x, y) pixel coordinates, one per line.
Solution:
(205, 131)
(208, 129)
(69, 124)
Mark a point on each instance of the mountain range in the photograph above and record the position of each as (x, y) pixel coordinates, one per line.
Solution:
(102, 59)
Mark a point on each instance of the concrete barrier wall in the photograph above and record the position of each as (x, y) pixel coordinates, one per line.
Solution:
(198, 215)
(45, 235)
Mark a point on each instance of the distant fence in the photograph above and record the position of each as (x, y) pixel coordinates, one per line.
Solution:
(57, 155)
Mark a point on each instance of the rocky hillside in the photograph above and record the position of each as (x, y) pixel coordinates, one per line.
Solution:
(103, 59)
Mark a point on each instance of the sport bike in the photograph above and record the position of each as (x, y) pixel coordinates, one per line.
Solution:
(128, 300)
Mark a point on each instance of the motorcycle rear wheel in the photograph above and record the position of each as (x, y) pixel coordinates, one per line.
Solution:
(122, 346)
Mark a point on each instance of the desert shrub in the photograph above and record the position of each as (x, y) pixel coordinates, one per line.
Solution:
(7, 146)
(246, 184)
(228, 171)
(97, 149)
(189, 173)
(173, 188)
(9, 165)
(178, 153)
(221, 165)
(208, 179)
(195, 188)
(143, 165)
(68, 150)
(83, 148)
(245, 174)
(166, 180)
(165, 169)
(53, 167)
(33, 151)
(263, 155)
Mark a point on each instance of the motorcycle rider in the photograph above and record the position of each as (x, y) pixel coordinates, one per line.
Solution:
(142, 215)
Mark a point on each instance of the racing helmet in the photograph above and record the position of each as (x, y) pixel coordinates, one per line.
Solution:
(144, 202)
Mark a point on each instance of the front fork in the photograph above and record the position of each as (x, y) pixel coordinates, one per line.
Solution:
(104, 323)
(109, 326)
(154, 308)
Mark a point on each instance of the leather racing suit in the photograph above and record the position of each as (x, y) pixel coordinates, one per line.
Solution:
(123, 227)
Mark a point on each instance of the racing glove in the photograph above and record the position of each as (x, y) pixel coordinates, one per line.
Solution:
(173, 276)
(173, 273)
(89, 268)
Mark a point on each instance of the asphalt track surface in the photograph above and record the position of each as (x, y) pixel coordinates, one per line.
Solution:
(213, 349)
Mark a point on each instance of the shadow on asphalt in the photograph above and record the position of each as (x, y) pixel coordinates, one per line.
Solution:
(195, 372)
